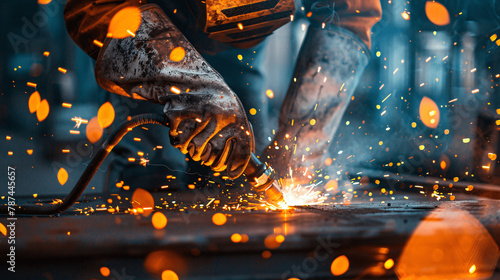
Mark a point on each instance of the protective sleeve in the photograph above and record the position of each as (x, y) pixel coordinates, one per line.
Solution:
(88, 20)
(357, 16)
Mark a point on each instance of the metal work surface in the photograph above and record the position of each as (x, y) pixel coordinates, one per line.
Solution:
(368, 234)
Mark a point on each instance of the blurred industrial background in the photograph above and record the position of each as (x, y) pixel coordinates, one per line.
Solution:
(426, 114)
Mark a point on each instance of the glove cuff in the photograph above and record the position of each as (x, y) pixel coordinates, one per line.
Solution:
(155, 63)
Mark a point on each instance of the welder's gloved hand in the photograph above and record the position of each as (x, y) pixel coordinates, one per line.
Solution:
(206, 118)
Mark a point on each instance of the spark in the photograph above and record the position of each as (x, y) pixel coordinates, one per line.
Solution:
(78, 121)
(296, 194)
(131, 33)
(98, 43)
(386, 97)
(175, 90)
(143, 161)
(405, 15)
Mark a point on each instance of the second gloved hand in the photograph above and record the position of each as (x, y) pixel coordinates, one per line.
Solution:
(206, 118)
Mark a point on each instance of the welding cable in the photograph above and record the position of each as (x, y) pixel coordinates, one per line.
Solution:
(113, 139)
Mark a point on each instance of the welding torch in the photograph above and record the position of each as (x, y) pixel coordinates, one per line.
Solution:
(260, 175)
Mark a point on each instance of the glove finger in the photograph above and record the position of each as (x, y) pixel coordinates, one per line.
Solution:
(221, 162)
(199, 142)
(238, 159)
(214, 149)
(185, 132)
(238, 146)
(241, 152)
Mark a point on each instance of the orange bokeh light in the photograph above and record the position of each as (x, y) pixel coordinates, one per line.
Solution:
(43, 110)
(437, 13)
(159, 220)
(177, 54)
(429, 112)
(125, 23)
(340, 265)
(34, 101)
(3, 229)
(266, 254)
(448, 244)
(142, 199)
(169, 275)
(106, 115)
(104, 271)
(219, 219)
(93, 130)
(62, 176)
(331, 185)
(271, 242)
(388, 264)
(44, 2)
(236, 238)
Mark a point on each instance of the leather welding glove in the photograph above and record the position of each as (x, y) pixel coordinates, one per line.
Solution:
(331, 60)
(206, 118)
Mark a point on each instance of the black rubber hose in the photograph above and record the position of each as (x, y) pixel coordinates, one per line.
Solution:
(113, 139)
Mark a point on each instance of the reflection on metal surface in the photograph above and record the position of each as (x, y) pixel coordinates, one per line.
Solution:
(448, 244)
(168, 264)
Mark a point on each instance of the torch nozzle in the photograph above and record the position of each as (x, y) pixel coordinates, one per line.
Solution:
(261, 177)
(275, 196)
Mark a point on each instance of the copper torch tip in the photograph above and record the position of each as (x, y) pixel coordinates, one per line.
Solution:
(275, 197)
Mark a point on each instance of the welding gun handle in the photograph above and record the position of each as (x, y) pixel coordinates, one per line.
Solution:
(255, 167)
(259, 174)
